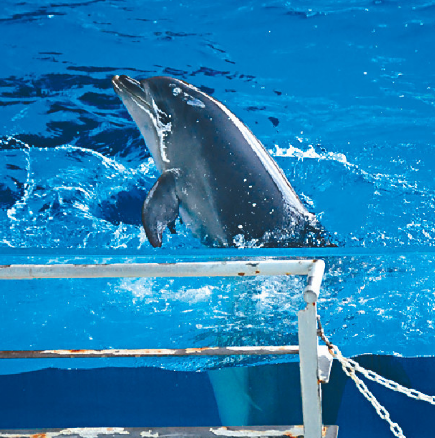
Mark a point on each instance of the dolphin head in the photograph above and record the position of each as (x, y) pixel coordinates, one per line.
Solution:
(148, 108)
(161, 106)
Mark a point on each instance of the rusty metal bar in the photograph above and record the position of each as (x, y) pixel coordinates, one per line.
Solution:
(169, 432)
(308, 346)
(209, 351)
(314, 280)
(201, 269)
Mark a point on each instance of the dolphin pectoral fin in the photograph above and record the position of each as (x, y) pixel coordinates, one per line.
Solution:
(172, 228)
(160, 208)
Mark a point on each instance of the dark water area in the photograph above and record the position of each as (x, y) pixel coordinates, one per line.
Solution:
(138, 397)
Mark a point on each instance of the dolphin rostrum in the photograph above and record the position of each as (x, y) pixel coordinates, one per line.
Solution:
(215, 174)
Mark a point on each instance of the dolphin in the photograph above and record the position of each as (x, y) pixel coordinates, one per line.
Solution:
(215, 174)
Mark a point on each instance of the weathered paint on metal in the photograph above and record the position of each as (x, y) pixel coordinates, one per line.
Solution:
(173, 432)
(314, 280)
(293, 432)
(308, 348)
(325, 363)
(308, 354)
(149, 434)
(200, 269)
(209, 351)
(82, 432)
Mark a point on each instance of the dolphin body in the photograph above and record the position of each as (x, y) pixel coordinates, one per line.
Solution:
(215, 174)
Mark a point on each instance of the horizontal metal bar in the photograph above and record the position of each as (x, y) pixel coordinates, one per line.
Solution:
(166, 432)
(202, 269)
(208, 351)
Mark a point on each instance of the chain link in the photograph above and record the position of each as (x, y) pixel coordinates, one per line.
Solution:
(350, 371)
(390, 384)
(350, 367)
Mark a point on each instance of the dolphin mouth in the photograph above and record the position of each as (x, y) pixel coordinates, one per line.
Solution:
(125, 86)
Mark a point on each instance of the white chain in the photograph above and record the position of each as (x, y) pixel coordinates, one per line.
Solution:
(350, 370)
(350, 367)
(390, 384)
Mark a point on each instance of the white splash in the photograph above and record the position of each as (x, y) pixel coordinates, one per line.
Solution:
(293, 151)
(163, 129)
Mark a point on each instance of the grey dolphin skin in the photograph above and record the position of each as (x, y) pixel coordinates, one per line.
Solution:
(214, 173)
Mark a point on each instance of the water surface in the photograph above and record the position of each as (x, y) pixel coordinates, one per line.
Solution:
(340, 93)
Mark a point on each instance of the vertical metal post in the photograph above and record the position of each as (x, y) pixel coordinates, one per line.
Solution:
(307, 321)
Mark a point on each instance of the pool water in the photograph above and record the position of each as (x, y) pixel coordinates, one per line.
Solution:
(340, 92)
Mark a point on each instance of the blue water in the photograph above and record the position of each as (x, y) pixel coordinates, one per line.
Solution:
(340, 92)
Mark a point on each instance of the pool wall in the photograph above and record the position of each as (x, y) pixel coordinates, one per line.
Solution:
(142, 397)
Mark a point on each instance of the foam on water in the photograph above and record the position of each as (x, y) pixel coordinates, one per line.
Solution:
(97, 199)
(81, 199)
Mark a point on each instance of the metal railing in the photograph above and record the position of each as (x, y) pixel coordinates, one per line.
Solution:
(308, 349)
